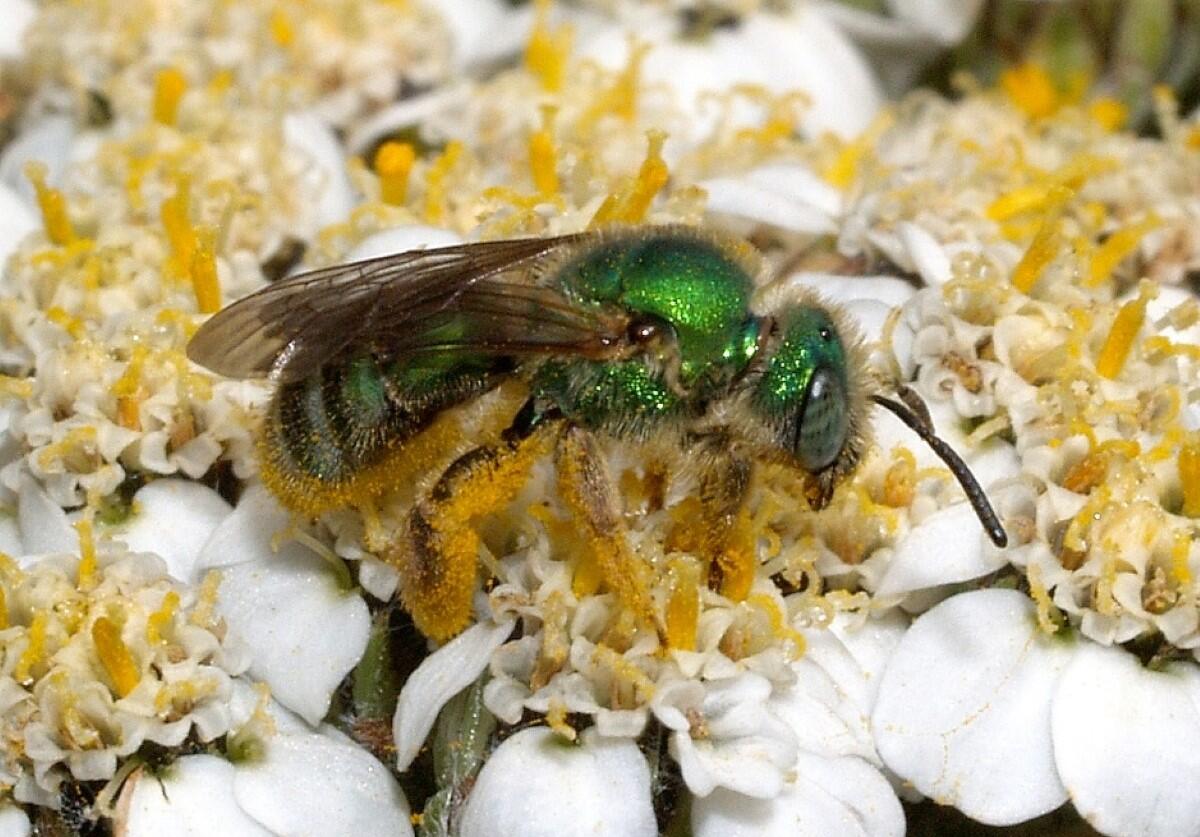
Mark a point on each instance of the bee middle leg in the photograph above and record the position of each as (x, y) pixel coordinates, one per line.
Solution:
(587, 489)
(437, 550)
(720, 532)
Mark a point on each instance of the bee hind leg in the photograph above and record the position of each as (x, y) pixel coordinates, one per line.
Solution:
(437, 550)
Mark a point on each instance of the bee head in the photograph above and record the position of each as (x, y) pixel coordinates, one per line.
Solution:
(812, 395)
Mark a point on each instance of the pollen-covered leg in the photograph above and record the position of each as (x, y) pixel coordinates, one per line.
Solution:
(587, 490)
(717, 525)
(437, 552)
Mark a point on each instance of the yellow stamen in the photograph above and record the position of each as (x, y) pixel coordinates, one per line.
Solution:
(3, 609)
(435, 181)
(1108, 113)
(282, 32)
(546, 54)
(160, 619)
(175, 219)
(15, 387)
(393, 162)
(1189, 478)
(35, 651)
(629, 205)
(115, 656)
(128, 390)
(169, 87)
(1124, 330)
(53, 205)
(1182, 547)
(206, 600)
(205, 284)
(87, 552)
(845, 166)
(1115, 248)
(543, 156)
(1029, 87)
(778, 622)
(683, 604)
(1048, 616)
(1042, 250)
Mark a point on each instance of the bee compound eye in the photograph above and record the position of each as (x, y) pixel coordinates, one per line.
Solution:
(823, 420)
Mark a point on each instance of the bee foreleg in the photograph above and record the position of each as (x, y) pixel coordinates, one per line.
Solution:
(586, 488)
(437, 552)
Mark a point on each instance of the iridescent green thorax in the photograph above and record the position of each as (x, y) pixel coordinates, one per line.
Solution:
(624, 398)
(804, 388)
(688, 281)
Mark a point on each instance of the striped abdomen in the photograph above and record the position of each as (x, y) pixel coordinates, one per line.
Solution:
(334, 438)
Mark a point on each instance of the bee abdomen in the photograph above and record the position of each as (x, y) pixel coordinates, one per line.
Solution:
(335, 438)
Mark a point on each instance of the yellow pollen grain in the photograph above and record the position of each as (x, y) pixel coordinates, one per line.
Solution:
(74, 438)
(1108, 113)
(203, 270)
(1125, 328)
(393, 163)
(778, 622)
(1115, 249)
(683, 603)
(1030, 89)
(158, 621)
(547, 52)
(1189, 478)
(543, 156)
(53, 205)
(35, 651)
(87, 552)
(115, 656)
(169, 87)
(435, 181)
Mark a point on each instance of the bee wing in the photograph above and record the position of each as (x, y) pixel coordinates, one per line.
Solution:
(476, 297)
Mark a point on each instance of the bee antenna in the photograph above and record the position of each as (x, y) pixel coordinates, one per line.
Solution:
(975, 494)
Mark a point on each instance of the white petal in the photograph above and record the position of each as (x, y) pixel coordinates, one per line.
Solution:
(439, 677)
(872, 644)
(48, 140)
(482, 31)
(964, 707)
(309, 134)
(317, 783)
(43, 523)
(193, 799)
(944, 548)
(947, 20)
(1124, 740)
(14, 822)
(844, 796)
(303, 632)
(16, 221)
(740, 198)
(927, 255)
(172, 518)
(400, 240)
(377, 578)
(17, 15)
(870, 315)
(838, 288)
(537, 785)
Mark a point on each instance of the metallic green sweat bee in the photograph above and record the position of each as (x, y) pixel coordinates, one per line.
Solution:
(655, 335)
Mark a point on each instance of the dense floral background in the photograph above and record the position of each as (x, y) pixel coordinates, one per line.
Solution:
(1004, 199)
